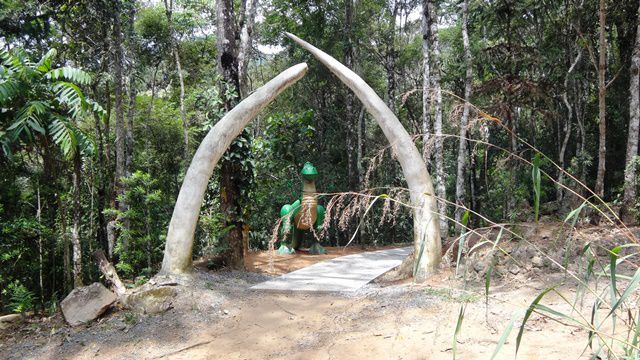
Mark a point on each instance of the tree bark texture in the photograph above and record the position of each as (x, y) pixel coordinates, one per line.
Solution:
(77, 217)
(602, 126)
(231, 168)
(175, 50)
(120, 121)
(431, 21)
(630, 177)
(249, 10)
(462, 146)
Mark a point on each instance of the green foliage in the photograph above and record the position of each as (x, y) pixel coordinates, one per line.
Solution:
(141, 241)
(20, 298)
(40, 100)
(535, 177)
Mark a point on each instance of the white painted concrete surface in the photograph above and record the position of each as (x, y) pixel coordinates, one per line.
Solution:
(342, 274)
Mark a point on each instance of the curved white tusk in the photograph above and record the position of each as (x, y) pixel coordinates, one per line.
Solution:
(427, 241)
(179, 244)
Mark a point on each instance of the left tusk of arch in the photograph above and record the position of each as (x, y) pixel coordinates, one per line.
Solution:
(179, 244)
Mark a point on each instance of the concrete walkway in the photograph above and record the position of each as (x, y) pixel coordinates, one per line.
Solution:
(346, 273)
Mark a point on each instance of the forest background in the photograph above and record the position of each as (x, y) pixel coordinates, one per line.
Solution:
(103, 103)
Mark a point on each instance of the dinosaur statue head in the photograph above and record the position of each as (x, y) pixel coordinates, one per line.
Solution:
(309, 172)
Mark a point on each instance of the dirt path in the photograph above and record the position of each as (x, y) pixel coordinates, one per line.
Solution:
(217, 316)
(396, 322)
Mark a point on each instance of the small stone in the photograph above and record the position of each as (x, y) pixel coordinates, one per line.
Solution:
(514, 269)
(537, 261)
(225, 311)
(479, 266)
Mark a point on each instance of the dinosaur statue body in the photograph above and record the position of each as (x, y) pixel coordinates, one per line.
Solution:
(303, 215)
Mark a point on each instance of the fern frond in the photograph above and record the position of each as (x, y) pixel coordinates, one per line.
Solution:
(70, 138)
(9, 88)
(44, 65)
(74, 75)
(70, 95)
(27, 119)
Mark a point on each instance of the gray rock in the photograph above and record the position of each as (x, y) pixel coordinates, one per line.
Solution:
(86, 303)
(151, 301)
(480, 266)
(514, 269)
(537, 261)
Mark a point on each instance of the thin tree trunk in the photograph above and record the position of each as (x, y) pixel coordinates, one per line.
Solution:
(430, 12)
(630, 176)
(567, 127)
(462, 147)
(168, 6)
(66, 253)
(249, 8)
(602, 67)
(121, 132)
(77, 217)
(349, 99)
(130, 116)
(426, 88)
(391, 60)
(40, 251)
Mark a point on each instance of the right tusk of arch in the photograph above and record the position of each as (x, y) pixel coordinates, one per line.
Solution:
(426, 234)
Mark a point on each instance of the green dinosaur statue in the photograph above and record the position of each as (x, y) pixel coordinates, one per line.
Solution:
(303, 215)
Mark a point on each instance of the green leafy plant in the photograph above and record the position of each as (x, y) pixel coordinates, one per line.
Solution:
(21, 299)
(40, 100)
(141, 243)
(535, 177)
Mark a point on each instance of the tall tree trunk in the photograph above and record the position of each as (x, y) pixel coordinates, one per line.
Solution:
(462, 147)
(567, 127)
(430, 13)
(249, 9)
(175, 50)
(77, 217)
(101, 234)
(40, 250)
(602, 67)
(630, 177)
(426, 88)
(231, 168)
(390, 60)
(121, 132)
(131, 111)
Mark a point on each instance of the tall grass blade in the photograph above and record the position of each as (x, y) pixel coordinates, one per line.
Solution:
(628, 291)
(458, 328)
(527, 315)
(464, 221)
(503, 338)
(535, 176)
(613, 257)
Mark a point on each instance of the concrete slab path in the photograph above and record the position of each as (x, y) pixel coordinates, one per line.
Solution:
(346, 273)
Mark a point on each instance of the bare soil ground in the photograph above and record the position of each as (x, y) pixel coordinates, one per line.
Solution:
(216, 316)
